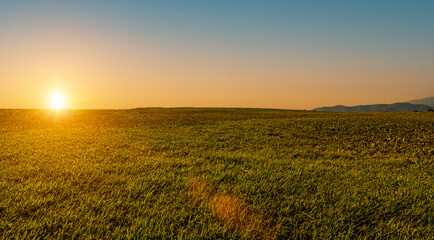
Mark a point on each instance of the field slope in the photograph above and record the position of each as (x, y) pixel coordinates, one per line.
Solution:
(191, 173)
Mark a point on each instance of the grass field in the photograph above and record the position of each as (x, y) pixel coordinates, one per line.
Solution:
(216, 173)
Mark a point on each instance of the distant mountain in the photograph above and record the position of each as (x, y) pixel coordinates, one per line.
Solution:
(429, 101)
(396, 107)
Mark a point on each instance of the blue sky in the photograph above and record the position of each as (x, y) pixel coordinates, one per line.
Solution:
(247, 48)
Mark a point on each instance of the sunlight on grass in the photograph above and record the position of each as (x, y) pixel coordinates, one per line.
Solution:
(215, 174)
(230, 210)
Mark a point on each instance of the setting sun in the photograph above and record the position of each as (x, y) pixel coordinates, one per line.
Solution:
(57, 101)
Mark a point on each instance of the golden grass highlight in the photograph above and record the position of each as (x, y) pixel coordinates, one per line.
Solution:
(230, 210)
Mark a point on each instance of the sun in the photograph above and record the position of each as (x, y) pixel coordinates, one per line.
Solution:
(57, 100)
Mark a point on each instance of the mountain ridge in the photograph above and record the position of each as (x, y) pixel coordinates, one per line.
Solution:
(394, 107)
(429, 101)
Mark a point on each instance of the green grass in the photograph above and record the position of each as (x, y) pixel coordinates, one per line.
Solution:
(128, 174)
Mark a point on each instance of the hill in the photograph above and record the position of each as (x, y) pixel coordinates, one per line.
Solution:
(429, 101)
(396, 107)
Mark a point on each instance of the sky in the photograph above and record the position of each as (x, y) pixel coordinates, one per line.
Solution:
(225, 53)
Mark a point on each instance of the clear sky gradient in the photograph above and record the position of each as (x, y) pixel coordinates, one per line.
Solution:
(225, 53)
